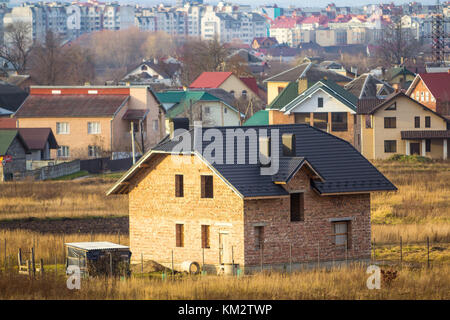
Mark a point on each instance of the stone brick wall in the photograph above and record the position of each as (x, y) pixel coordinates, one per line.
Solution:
(308, 237)
(154, 211)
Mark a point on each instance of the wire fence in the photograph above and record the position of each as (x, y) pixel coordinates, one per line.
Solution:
(49, 251)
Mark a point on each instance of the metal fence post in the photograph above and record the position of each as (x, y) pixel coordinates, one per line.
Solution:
(428, 252)
(232, 259)
(261, 257)
(373, 249)
(290, 257)
(401, 251)
(142, 262)
(172, 265)
(203, 260)
(5, 255)
(318, 254)
(110, 265)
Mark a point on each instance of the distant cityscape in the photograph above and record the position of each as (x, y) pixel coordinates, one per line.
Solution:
(291, 26)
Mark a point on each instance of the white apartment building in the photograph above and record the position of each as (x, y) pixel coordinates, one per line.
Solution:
(236, 26)
(33, 16)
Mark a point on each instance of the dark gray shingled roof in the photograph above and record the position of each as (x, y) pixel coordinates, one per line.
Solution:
(288, 167)
(342, 167)
(310, 71)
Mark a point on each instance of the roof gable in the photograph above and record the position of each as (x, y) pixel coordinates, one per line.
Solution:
(36, 138)
(210, 79)
(400, 94)
(310, 71)
(329, 88)
(438, 83)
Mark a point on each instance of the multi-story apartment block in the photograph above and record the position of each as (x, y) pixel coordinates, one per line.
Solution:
(33, 15)
(236, 26)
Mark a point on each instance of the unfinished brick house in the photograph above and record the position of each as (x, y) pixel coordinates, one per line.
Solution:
(316, 207)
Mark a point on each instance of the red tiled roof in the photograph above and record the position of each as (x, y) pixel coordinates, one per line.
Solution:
(286, 22)
(251, 83)
(438, 83)
(7, 123)
(210, 79)
(82, 105)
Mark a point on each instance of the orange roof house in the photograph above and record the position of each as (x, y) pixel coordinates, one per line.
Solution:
(245, 86)
(94, 121)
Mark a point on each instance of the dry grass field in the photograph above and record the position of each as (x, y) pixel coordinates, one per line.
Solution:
(345, 283)
(420, 209)
(60, 199)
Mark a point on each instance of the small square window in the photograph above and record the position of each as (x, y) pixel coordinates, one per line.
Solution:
(390, 146)
(94, 128)
(416, 122)
(320, 102)
(390, 122)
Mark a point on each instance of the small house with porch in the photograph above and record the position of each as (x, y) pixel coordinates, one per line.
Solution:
(401, 125)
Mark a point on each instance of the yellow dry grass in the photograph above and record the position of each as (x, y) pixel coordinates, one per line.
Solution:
(57, 199)
(419, 209)
(47, 246)
(346, 283)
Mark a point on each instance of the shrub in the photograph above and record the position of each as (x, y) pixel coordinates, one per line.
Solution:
(410, 158)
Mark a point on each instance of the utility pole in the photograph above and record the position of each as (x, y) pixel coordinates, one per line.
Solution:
(132, 142)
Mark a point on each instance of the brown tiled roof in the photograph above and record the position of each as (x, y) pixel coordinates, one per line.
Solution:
(36, 138)
(310, 71)
(426, 134)
(83, 105)
(138, 114)
(365, 106)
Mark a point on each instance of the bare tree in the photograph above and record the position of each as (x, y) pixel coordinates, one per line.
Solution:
(52, 63)
(17, 45)
(397, 44)
(46, 62)
(199, 56)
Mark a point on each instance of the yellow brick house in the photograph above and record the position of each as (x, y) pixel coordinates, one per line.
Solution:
(400, 125)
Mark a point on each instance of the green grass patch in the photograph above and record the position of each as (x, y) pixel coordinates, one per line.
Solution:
(410, 158)
(72, 176)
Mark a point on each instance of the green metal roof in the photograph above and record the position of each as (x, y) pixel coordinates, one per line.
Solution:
(183, 99)
(6, 138)
(289, 93)
(260, 118)
(393, 72)
(331, 88)
(171, 96)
